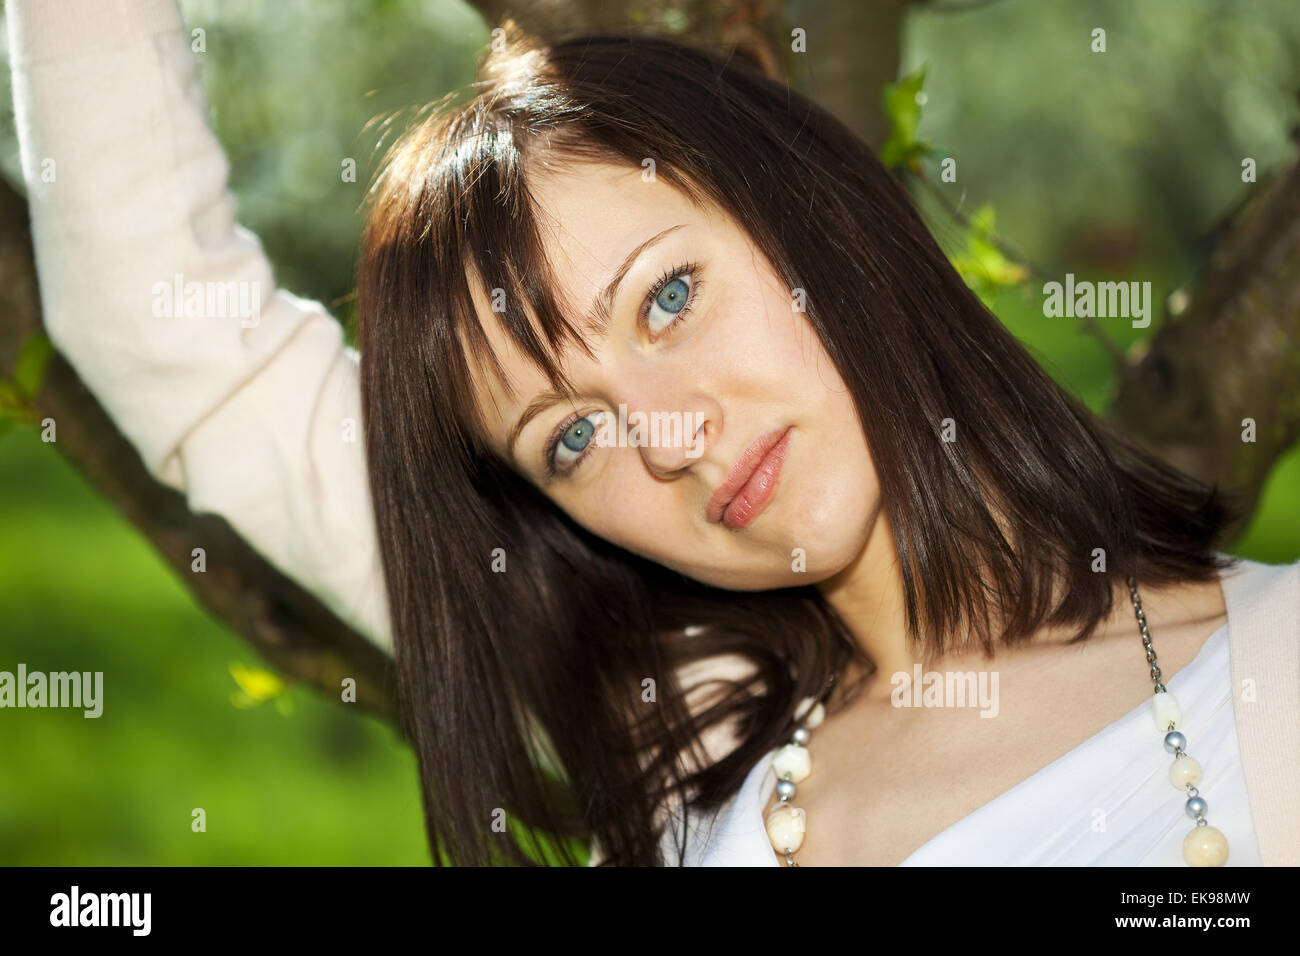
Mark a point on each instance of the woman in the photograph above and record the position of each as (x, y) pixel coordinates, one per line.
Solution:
(862, 473)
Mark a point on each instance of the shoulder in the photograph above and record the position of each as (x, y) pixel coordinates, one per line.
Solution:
(1260, 595)
(1264, 643)
(691, 836)
(1263, 602)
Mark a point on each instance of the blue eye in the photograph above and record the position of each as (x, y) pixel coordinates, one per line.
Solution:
(673, 295)
(569, 443)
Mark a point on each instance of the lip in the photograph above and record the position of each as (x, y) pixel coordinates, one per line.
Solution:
(751, 482)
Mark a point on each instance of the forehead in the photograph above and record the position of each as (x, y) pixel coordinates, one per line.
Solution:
(590, 216)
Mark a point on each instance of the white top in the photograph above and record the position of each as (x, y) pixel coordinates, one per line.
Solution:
(1108, 802)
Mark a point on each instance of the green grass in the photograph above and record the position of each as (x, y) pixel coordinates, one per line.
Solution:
(80, 589)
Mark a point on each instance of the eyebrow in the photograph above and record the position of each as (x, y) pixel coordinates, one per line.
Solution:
(596, 319)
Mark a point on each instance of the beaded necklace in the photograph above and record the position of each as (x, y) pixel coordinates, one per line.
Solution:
(1204, 845)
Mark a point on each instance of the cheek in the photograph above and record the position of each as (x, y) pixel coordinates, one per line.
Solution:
(762, 333)
(843, 487)
(843, 496)
(614, 509)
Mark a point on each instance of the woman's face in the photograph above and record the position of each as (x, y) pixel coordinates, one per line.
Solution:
(702, 332)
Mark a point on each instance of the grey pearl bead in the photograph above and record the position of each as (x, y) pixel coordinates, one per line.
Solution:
(785, 789)
(1196, 807)
(1175, 741)
(801, 736)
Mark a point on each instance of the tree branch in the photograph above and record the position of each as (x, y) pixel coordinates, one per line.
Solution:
(1233, 354)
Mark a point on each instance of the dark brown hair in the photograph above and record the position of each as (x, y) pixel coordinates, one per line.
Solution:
(522, 691)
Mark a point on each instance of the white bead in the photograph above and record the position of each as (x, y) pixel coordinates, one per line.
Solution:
(1184, 771)
(815, 717)
(1164, 708)
(1205, 846)
(815, 711)
(785, 828)
(792, 762)
(804, 706)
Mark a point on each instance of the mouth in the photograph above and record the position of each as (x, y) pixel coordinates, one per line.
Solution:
(752, 480)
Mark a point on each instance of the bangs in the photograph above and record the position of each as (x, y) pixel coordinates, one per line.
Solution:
(481, 241)
(496, 226)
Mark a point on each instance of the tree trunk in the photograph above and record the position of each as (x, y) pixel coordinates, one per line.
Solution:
(850, 49)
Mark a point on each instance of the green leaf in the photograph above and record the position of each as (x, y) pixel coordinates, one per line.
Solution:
(982, 265)
(12, 403)
(983, 221)
(257, 684)
(902, 102)
(29, 370)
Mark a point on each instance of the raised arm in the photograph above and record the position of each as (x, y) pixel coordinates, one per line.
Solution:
(239, 394)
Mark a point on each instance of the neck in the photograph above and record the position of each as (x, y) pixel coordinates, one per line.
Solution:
(868, 596)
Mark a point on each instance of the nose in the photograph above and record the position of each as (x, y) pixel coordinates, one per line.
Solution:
(670, 423)
(671, 440)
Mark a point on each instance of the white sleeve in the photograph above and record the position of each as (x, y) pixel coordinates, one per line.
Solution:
(256, 415)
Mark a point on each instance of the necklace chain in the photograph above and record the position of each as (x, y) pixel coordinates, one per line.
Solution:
(1203, 846)
(1146, 634)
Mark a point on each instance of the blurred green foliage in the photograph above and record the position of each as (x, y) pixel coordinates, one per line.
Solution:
(1116, 162)
(81, 590)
